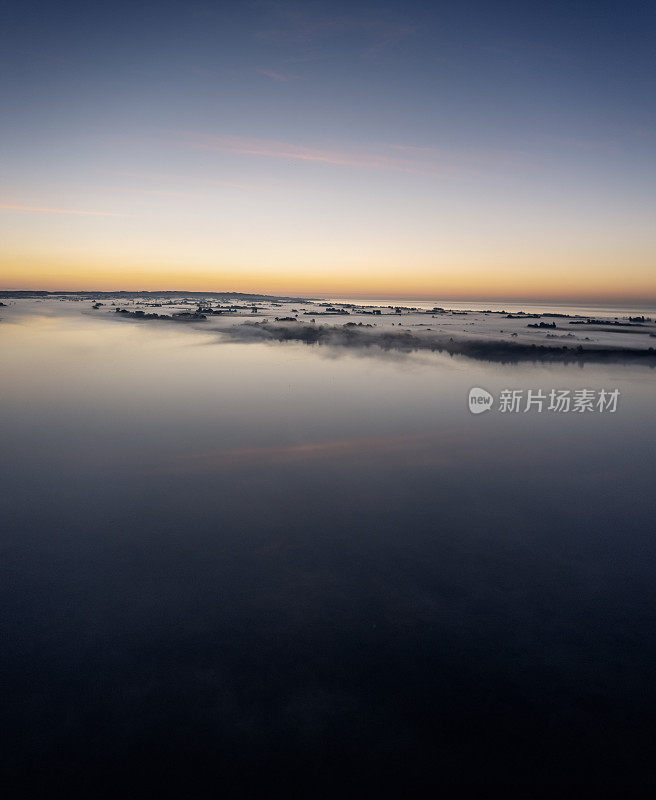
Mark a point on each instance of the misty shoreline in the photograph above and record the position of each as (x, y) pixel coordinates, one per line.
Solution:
(403, 341)
(537, 337)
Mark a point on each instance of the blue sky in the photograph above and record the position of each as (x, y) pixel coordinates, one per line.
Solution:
(472, 146)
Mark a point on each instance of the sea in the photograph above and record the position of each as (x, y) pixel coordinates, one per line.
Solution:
(289, 569)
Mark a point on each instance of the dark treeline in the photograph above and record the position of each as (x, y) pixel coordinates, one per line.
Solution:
(499, 351)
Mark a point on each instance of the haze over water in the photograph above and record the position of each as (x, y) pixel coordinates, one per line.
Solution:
(511, 306)
(273, 563)
(259, 546)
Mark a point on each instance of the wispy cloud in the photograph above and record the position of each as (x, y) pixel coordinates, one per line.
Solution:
(276, 76)
(49, 58)
(176, 178)
(300, 26)
(380, 158)
(106, 189)
(44, 210)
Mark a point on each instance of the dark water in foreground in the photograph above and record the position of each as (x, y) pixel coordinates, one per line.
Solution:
(305, 572)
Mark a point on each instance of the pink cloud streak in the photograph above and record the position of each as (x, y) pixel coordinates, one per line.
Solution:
(44, 210)
(276, 76)
(286, 150)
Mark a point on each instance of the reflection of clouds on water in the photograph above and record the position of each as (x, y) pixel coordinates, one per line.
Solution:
(424, 447)
(214, 556)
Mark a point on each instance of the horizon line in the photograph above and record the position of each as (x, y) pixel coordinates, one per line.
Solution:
(336, 296)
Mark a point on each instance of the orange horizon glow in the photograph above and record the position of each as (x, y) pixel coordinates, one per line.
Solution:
(445, 287)
(321, 237)
(299, 163)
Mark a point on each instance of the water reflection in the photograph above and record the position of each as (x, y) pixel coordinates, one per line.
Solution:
(269, 562)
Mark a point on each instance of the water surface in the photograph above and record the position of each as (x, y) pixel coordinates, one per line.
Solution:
(311, 567)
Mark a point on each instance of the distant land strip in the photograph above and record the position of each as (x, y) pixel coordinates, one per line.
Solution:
(27, 294)
(481, 350)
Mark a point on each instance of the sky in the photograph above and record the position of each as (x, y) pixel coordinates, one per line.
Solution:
(473, 150)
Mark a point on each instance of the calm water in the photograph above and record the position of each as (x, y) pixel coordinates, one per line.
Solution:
(512, 306)
(289, 567)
